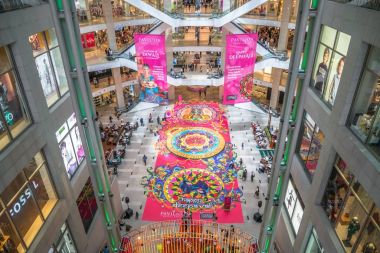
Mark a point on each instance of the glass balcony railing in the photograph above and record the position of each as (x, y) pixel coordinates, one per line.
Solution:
(180, 10)
(94, 14)
(9, 5)
(370, 4)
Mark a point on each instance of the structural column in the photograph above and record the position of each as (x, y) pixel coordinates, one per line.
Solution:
(226, 4)
(168, 5)
(171, 94)
(169, 48)
(276, 80)
(120, 103)
(108, 16)
(282, 46)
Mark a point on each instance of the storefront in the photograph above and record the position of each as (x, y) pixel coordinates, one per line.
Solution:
(365, 116)
(351, 211)
(313, 244)
(87, 206)
(310, 144)
(64, 242)
(25, 204)
(48, 60)
(14, 114)
(294, 206)
(329, 64)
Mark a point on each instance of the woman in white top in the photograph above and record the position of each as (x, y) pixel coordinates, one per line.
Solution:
(335, 82)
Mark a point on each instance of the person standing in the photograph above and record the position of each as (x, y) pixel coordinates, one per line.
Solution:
(145, 159)
(321, 75)
(141, 121)
(106, 250)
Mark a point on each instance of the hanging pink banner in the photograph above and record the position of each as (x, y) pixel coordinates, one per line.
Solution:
(239, 66)
(151, 67)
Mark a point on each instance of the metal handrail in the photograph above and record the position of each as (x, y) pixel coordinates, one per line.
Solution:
(194, 235)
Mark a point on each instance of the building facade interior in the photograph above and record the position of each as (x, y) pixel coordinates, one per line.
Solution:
(189, 126)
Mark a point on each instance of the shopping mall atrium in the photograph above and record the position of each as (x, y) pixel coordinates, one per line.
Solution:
(189, 126)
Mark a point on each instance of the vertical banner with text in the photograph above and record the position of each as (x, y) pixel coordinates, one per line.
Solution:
(239, 67)
(151, 67)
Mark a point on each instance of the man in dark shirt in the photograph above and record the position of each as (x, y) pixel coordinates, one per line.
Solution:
(321, 75)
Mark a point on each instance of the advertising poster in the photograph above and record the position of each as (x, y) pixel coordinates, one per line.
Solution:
(46, 75)
(240, 62)
(88, 40)
(151, 64)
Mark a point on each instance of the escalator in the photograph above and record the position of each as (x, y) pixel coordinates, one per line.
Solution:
(175, 19)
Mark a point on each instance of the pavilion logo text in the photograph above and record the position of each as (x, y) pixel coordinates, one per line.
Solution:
(147, 40)
(171, 214)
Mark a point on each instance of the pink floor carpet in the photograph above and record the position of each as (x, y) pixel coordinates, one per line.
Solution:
(176, 183)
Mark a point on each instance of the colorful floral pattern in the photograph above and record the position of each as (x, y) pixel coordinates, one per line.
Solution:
(195, 142)
(196, 113)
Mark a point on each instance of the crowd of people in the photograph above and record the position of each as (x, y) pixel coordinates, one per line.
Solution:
(269, 36)
(125, 35)
(96, 11)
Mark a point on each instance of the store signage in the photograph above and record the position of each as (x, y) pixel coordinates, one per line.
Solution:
(22, 200)
(206, 216)
(231, 97)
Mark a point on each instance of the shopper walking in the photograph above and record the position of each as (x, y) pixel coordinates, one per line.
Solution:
(150, 118)
(106, 250)
(145, 159)
(158, 120)
(141, 121)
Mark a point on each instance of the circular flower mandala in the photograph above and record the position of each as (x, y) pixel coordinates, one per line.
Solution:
(195, 142)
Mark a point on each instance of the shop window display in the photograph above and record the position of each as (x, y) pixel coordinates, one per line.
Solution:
(47, 56)
(64, 242)
(293, 206)
(87, 206)
(314, 245)
(351, 211)
(70, 144)
(329, 63)
(365, 116)
(310, 144)
(25, 203)
(14, 117)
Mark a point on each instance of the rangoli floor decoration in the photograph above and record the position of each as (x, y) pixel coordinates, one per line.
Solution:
(196, 167)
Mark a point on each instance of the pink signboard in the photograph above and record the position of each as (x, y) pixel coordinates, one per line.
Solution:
(239, 67)
(151, 67)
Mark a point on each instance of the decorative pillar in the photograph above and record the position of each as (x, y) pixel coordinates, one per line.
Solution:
(282, 46)
(119, 88)
(108, 17)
